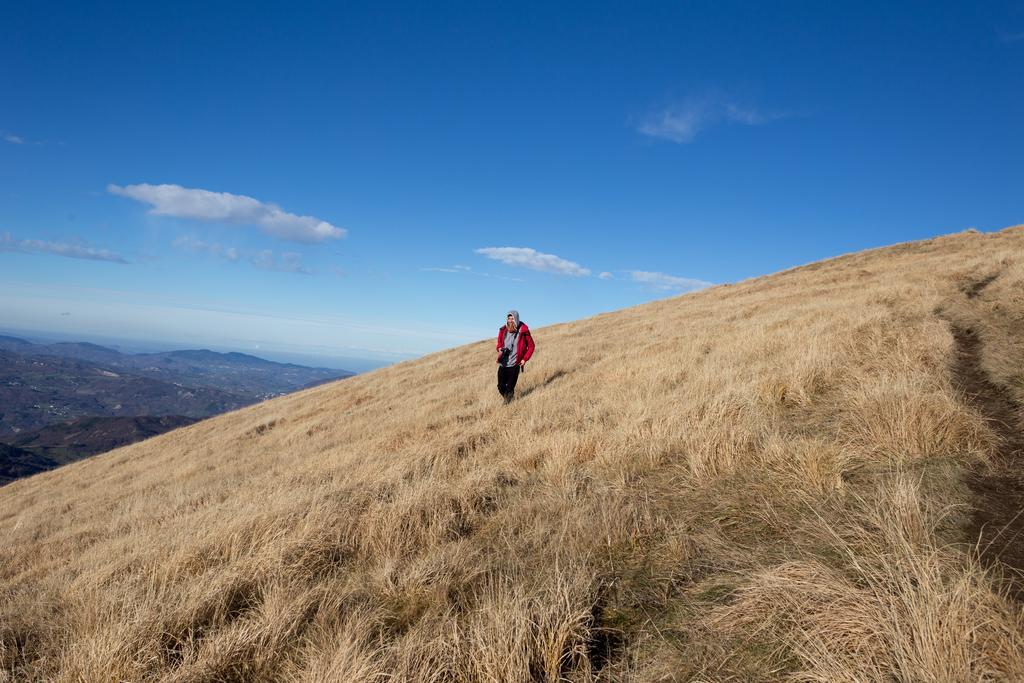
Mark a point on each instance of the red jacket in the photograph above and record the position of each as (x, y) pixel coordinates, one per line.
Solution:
(524, 346)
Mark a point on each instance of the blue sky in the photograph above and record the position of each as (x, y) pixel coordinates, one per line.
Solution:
(380, 180)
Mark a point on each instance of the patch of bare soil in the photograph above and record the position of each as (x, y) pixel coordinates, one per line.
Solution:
(997, 522)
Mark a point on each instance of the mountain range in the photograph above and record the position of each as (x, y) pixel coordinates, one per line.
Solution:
(98, 398)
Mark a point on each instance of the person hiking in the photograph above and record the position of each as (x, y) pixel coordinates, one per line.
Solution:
(515, 347)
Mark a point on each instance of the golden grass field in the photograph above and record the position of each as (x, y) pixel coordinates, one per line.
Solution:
(780, 479)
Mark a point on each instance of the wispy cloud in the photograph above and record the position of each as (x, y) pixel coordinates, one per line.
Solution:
(14, 139)
(68, 249)
(288, 262)
(524, 257)
(665, 282)
(265, 259)
(466, 270)
(682, 122)
(199, 246)
(605, 275)
(443, 270)
(224, 207)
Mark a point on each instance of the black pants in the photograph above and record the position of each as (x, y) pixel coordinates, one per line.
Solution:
(507, 378)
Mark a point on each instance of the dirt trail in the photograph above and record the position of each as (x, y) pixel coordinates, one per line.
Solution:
(997, 522)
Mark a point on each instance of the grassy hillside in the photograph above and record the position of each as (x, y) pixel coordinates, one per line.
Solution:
(781, 479)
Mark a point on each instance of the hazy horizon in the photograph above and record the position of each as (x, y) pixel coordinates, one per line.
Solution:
(130, 345)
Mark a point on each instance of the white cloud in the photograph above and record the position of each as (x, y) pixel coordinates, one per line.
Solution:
(7, 243)
(682, 122)
(13, 139)
(289, 262)
(664, 282)
(204, 205)
(525, 257)
(605, 275)
(199, 246)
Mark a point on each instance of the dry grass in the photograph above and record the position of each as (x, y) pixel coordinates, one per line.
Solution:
(761, 481)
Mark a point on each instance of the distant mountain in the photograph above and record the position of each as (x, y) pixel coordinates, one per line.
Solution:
(58, 444)
(64, 401)
(17, 462)
(215, 357)
(83, 351)
(13, 343)
(76, 439)
(233, 372)
(36, 391)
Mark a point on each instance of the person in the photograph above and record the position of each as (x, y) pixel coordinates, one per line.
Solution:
(515, 347)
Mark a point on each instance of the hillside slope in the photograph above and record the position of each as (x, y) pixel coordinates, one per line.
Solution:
(781, 479)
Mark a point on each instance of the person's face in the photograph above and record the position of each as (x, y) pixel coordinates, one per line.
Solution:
(510, 322)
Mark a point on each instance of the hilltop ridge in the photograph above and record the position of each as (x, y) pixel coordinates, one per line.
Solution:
(808, 475)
